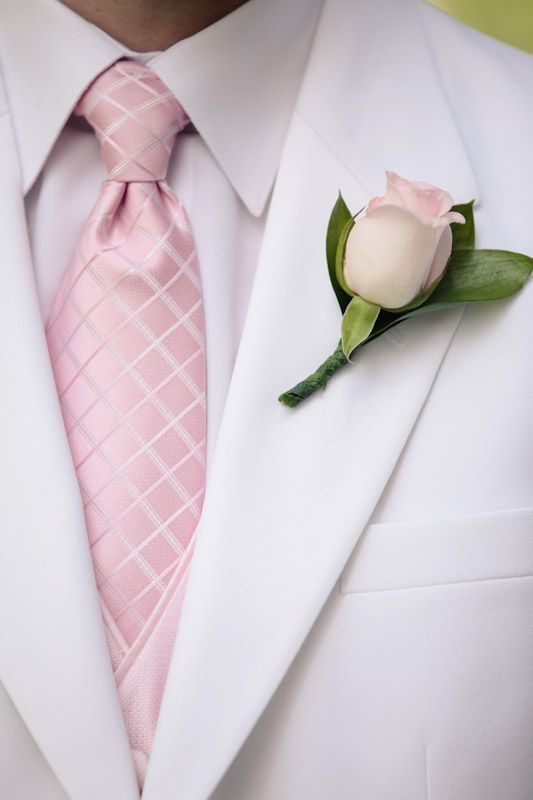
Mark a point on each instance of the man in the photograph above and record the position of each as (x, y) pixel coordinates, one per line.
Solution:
(356, 619)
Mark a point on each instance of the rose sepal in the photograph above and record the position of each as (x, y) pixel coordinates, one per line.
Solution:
(357, 324)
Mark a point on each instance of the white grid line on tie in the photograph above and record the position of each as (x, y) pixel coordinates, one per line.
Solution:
(159, 348)
(119, 83)
(113, 630)
(129, 114)
(143, 81)
(111, 290)
(116, 531)
(169, 301)
(57, 312)
(95, 220)
(125, 78)
(166, 473)
(133, 409)
(106, 94)
(183, 318)
(108, 292)
(152, 283)
(126, 162)
(193, 500)
(180, 222)
(154, 457)
(153, 486)
(155, 580)
(118, 471)
(141, 594)
(115, 246)
(133, 363)
(168, 569)
(145, 446)
(105, 136)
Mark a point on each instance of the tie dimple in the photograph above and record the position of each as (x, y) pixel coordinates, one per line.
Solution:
(136, 119)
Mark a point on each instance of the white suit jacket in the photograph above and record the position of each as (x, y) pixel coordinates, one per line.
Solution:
(358, 622)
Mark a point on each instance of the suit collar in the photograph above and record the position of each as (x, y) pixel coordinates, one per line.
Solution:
(290, 492)
(239, 96)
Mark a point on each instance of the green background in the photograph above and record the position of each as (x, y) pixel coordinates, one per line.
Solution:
(509, 20)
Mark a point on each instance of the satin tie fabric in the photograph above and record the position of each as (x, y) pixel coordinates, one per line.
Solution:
(127, 344)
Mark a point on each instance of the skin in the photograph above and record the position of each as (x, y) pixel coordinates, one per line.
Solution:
(147, 25)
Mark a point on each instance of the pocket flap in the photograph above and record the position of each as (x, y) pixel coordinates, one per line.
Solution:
(443, 550)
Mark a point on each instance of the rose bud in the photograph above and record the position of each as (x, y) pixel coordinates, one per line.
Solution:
(401, 244)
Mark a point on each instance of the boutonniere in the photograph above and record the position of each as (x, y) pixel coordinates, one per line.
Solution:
(410, 252)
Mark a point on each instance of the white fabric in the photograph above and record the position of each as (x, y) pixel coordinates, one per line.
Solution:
(307, 667)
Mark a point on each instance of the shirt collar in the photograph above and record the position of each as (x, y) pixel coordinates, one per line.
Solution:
(238, 80)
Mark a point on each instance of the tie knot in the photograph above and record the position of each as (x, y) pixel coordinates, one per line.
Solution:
(136, 119)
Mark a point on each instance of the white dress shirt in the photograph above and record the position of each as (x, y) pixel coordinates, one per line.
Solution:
(238, 80)
(239, 88)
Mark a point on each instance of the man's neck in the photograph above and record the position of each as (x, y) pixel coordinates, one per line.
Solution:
(147, 25)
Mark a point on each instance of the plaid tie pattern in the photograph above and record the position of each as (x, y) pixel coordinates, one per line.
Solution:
(127, 344)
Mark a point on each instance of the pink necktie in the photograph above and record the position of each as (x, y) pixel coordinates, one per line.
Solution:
(127, 344)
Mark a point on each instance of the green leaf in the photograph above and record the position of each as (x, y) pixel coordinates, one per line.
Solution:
(357, 323)
(340, 217)
(474, 275)
(471, 275)
(464, 235)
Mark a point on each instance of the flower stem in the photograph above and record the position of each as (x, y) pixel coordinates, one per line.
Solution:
(317, 380)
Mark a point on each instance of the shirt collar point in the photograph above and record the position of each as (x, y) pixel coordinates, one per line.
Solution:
(256, 200)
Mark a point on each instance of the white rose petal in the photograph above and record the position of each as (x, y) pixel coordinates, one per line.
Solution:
(389, 254)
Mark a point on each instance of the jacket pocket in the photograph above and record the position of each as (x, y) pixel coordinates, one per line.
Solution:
(441, 551)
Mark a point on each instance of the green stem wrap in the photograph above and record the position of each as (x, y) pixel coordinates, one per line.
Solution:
(318, 380)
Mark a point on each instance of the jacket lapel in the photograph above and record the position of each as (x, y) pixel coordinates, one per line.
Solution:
(291, 491)
(53, 656)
